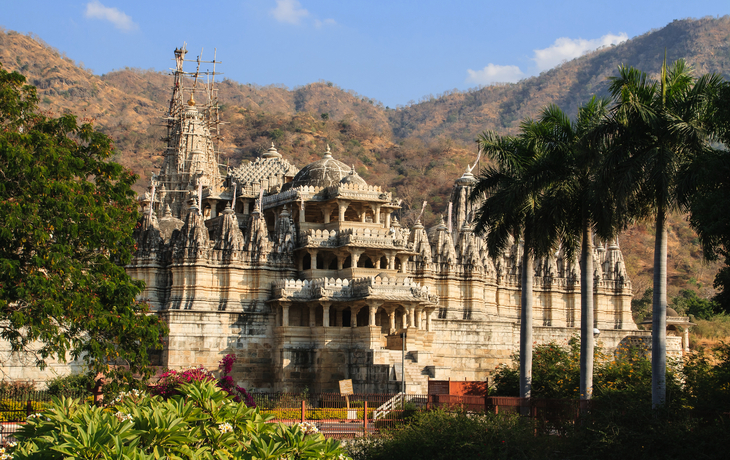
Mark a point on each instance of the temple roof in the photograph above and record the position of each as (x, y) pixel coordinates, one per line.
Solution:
(322, 173)
(270, 166)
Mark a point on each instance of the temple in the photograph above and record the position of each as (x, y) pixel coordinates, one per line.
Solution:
(309, 278)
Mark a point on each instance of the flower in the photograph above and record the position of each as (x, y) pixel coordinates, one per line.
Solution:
(308, 427)
(225, 427)
(122, 417)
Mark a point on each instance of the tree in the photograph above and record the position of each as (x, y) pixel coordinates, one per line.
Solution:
(573, 154)
(65, 236)
(655, 128)
(512, 194)
(706, 191)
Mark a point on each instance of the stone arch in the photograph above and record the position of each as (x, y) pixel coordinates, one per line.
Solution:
(306, 262)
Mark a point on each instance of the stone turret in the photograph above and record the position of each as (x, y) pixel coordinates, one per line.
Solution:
(230, 236)
(192, 241)
(419, 240)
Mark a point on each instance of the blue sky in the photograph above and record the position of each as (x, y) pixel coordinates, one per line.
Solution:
(392, 51)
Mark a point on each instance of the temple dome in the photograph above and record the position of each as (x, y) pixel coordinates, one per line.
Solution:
(353, 178)
(322, 173)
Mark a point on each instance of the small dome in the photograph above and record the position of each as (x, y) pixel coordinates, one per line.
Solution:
(271, 153)
(322, 173)
(671, 312)
(353, 178)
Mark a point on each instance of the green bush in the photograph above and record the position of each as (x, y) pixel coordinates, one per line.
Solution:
(444, 435)
(72, 383)
(202, 422)
(556, 373)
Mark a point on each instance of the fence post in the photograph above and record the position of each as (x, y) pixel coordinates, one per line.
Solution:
(304, 409)
(365, 419)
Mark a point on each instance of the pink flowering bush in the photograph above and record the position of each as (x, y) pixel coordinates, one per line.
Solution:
(170, 381)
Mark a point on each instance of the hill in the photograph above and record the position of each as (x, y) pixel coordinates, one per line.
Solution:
(417, 150)
(703, 43)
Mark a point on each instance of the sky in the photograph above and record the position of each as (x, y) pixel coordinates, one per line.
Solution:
(394, 51)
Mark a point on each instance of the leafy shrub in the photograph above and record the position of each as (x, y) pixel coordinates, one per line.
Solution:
(72, 383)
(200, 422)
(450, 435)
(556, 373)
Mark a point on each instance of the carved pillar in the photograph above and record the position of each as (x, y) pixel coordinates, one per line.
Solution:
(372, 309)
(353, 316)
(685, 339)
(302, 212)
(340, 261)
(404, 319)
(411, 317)
(391, 262)
(213, 204)
(428, 319)
(312, 316)
(391, 317)
(326, 211)
(355, 256)
(313, 257)
(325, 313)
(387, 220)
(376, 211)
(342, 205)
(419, 317)
(285, 314)
(278, 317)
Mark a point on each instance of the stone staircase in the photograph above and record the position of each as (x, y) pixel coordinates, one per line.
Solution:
(418, 359)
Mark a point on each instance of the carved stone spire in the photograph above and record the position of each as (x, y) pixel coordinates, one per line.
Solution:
(421, 245)
(230, 238)
(193, 240)
(258, 244)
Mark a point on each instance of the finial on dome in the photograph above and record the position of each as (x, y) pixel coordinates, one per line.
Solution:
(328, 153)
(191, 102)
(272, 152)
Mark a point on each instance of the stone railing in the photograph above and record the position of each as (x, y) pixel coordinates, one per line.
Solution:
(343, 289)
(319, 238)
(350, 236)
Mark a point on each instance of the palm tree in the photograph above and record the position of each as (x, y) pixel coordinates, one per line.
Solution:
(655, 128)
(573, 154)
(512, 193)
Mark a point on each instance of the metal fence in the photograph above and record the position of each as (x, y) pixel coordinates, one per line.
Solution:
(17, 404)
(333, 414)
(337, 416)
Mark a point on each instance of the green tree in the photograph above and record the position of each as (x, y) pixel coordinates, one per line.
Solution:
(572, 159)
(656, 127)
(512, 209)
(65, 236)
(706, 189)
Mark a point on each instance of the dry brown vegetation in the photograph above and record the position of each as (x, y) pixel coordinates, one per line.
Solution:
(416, 151)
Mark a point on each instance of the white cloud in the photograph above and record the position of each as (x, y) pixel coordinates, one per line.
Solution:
(493, 73)
(121, 21)
(565, 49)
(327, 22)
(289, 11)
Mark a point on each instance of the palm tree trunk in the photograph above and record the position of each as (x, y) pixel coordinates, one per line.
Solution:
(659, 314)
(586, 312)
(528, 273)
